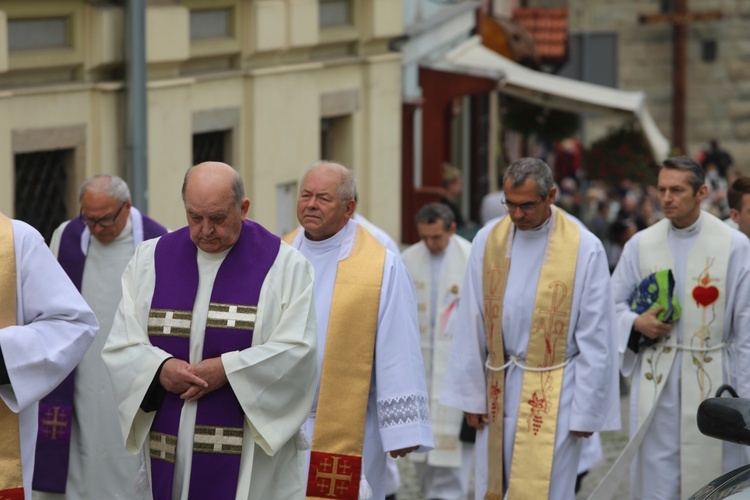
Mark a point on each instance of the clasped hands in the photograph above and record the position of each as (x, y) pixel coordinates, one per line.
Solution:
(192, 382)
(478, 421)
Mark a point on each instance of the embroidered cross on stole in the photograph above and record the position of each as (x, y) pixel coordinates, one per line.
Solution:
(534, 447)
(11, 477)
(338, 438)
(703, 303)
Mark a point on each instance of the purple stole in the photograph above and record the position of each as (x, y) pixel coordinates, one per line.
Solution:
(56, 410)
(217, 441)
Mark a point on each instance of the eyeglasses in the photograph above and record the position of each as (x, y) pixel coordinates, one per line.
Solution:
(104, 221)
(525, 207)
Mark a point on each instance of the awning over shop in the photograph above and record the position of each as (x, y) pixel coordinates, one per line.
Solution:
(554, 91)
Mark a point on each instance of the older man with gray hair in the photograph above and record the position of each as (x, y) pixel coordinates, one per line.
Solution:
(93, 249)
(372, 397)
(534, 365)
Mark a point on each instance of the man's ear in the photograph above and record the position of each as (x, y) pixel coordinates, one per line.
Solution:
(735, 215)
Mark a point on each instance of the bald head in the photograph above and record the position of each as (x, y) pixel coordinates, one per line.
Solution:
(217, 172)
(326, 199)
(215, 205)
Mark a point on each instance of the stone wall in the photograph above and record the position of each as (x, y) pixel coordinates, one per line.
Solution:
(718, 92)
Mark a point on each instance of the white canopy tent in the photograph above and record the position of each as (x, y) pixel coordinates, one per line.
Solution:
(557, 92)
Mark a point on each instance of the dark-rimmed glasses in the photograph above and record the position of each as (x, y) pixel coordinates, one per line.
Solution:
(525, 207)
(104, 221)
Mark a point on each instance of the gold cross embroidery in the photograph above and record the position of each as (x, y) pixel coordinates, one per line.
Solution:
(333, 476)
(51, 423)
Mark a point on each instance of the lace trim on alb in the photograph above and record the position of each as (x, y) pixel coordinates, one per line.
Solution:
(403, 410)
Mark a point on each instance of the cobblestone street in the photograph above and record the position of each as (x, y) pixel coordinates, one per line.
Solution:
(612, 444)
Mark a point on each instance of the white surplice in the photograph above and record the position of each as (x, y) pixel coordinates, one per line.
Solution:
(274, 380)
(54, 329)
(655, 472)
(397, 409)
(590, 391)
(99, 465)
(443, 472)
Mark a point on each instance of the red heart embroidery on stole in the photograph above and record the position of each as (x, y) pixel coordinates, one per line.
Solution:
(705, 295)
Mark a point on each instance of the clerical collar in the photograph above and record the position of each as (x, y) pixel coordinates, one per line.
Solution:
(537, 231)
(687, 231)
(127, 230)
(323, 246)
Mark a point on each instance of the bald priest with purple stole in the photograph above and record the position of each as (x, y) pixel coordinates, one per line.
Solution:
(45, 328)
(212, 354)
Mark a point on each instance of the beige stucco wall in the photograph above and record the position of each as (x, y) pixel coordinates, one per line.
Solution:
(273, 86)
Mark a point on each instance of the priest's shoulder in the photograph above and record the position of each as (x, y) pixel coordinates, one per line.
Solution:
(25, 232)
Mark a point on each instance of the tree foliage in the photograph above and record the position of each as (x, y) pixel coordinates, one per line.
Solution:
(622, 153)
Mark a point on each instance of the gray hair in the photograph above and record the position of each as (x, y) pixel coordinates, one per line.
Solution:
(687, 164)
(347, 189)
(522, 169)
(433, 212)
(110, 185)
(238, 186)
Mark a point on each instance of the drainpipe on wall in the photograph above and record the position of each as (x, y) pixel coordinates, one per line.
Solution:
(136, 163)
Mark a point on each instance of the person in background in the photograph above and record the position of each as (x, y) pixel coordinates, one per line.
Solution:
(739, 204)
(453, 185)
(437, 265)
(93, 249)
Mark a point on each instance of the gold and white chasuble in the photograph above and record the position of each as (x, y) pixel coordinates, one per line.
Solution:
(436, 342)
(544, 364)
(703, 306)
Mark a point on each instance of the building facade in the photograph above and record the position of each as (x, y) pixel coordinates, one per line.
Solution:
(611, 45)
(267, 86)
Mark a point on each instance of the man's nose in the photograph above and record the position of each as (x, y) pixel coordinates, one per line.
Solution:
(207, 227)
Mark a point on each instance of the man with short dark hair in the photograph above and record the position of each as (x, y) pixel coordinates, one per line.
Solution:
(680, 351)
(534, 362)
(437, 265)
(94, 249)
(212, 353)
(739, 204)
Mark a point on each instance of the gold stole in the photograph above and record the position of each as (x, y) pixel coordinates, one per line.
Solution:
(536, 426)
(11, 477)
(703, 306)
(338, 438)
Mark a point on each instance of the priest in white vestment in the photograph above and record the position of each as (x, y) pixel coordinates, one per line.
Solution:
(710, 264)
(437, 265)
(586, 370)
(53, 327)
(108, 230)
(271, 382)
(392, 408)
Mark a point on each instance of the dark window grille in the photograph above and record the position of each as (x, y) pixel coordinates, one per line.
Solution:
(41, 184)
(210, 146)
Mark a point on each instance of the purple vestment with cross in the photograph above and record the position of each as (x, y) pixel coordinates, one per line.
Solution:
(56, 410)
(217, 440)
